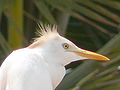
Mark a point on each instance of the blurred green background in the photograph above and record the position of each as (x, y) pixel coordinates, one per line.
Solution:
(90, 24)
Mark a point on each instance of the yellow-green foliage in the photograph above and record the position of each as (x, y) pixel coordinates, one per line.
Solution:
(15, 24)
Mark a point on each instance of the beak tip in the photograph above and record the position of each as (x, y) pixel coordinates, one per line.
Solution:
(106, 59)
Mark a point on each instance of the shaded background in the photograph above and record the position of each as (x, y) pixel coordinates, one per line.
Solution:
(90, 24)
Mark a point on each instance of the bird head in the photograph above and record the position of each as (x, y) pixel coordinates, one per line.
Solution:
(57, 49)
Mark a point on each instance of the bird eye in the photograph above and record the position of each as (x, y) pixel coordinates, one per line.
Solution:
(65, 46)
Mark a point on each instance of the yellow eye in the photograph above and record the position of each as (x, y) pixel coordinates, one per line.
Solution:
(65, 46)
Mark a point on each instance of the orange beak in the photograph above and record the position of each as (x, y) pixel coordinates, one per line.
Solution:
(90, 55)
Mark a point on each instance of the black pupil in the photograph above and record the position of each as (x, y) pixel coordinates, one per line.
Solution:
(66, 46)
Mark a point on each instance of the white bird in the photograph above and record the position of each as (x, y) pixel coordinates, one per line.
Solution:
(41, 66)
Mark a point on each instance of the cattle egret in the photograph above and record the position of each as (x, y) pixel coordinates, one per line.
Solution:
(41, 65)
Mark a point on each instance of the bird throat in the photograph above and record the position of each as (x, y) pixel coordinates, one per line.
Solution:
(57, 73)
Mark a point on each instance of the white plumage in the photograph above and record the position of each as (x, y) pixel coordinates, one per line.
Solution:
(40, 66)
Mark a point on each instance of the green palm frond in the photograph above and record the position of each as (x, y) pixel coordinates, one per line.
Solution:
(83, 10)
(91, 24)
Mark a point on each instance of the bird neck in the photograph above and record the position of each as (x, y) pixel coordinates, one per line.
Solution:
(50, 57)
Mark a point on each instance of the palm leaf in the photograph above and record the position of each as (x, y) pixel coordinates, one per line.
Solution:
(45, 11)
(58, 5)
(110, 3)
(100, 9)
(15, 24)
(3, 5)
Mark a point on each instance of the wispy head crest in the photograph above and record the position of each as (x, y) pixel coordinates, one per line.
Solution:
(46, 29)
(44, 32)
